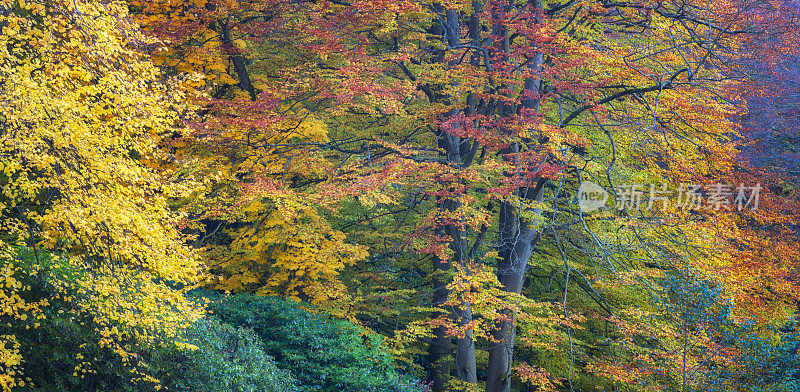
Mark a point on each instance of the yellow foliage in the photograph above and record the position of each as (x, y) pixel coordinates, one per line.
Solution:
(13, 306)
(275, 159)
(287, 248)
(130, 305)
(126, 305)
(87, 112)
(83, 114)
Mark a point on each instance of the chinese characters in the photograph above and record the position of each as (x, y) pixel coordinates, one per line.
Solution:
(688, 196)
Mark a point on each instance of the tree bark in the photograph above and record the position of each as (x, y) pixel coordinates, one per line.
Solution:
(438, 368)
(465, 346)
(238, 61)
(516, 235)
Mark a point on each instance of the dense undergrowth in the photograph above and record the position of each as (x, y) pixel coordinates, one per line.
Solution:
(246, 343)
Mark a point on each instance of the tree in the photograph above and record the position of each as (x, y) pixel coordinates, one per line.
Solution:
(261, 216)
(82, 116)
(679, 344)
(464, 130)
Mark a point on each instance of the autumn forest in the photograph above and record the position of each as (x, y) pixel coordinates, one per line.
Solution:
(399, 196)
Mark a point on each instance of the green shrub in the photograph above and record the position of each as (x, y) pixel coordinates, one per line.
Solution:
(322, 354)
(227, 359)
(66, 338)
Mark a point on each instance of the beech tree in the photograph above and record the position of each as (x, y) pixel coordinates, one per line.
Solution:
(450, 139)
(82, 113)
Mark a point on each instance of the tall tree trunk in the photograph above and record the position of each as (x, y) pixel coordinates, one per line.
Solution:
(238, 60)
(438, 365)
(438, 368)
(516, 236)
(465, 346)
(440, 347)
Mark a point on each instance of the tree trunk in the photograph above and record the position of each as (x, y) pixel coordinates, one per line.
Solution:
(440, 347)
(438, 368)
(465, 347)
(516, 236)
(238, 61)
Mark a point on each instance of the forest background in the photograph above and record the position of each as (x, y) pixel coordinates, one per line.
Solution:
(387, 195)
